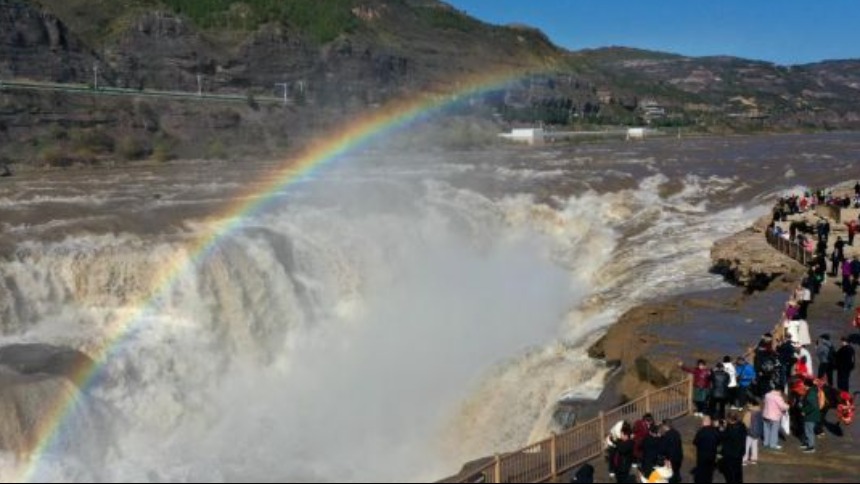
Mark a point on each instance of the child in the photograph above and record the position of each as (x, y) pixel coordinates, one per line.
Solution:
(755, 430)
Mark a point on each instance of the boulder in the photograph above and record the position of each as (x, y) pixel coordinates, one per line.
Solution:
(746, 259)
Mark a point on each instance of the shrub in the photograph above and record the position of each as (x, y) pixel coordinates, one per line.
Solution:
(163, 150)
(55, 156)
(131, 148)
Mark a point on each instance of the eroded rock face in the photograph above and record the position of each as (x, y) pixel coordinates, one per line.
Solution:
(746, 259)
(27, 405)
(36, 388)
(46, 360)
(631, 344)
(35, 44)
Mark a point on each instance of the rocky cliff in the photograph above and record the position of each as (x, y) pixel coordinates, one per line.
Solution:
(36, 44)
(746, 259)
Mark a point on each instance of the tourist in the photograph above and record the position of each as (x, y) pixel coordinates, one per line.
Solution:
(623, 458)
(811, 415)
(826, 354)
(801, 369)
(734, 442)
(651, 450)
(846, 270)
(707, 442)
(844, 365)
(672, 448)
(754, 422)
(804, 297)
(855, 267)
(773, 411)
(746, 377)
(792, 329)
(730, 369)
(701, 386)
(585, 474)
(803, 335)
(800, 352)
(641, 429)
(664, 472)
(839, 254)
(786, 355)
(719, 392)
(849, 290)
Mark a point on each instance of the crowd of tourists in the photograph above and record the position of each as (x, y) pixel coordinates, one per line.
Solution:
(782, 392)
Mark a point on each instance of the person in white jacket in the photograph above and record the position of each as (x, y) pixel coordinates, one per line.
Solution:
(800, 351)
(729, 368)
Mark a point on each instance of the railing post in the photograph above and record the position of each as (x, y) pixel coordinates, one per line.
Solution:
(647, 401)
(602, 419)
(553, 453)
(497, 470)
(690, 408)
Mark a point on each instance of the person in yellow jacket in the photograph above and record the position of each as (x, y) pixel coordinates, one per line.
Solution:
(661, 473)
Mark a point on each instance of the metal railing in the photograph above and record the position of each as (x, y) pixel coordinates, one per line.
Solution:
(790, 248)
(550, 458)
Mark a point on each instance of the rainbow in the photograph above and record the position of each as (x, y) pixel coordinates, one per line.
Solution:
(325, 151)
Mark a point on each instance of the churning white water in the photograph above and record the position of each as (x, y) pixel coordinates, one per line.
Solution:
(384, 321)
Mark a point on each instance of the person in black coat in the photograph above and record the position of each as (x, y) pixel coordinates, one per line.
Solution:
(734, 441)
(787, 359)
(585, 474)
(672, 447)
(651, 447)
(707, 442)
(719, 391)
(844, 364)
(624, 459)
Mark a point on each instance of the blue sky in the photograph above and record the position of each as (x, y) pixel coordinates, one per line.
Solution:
(781, 31)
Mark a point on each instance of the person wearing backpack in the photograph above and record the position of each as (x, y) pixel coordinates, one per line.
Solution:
(719, 391)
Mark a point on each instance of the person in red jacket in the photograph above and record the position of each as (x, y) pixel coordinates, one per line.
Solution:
(701, 386)
(641, 429)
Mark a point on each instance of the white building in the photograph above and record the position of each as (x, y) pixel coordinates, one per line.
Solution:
(526, 135)
(635, 134)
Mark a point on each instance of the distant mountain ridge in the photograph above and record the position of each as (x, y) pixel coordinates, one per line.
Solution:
(341, 57)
